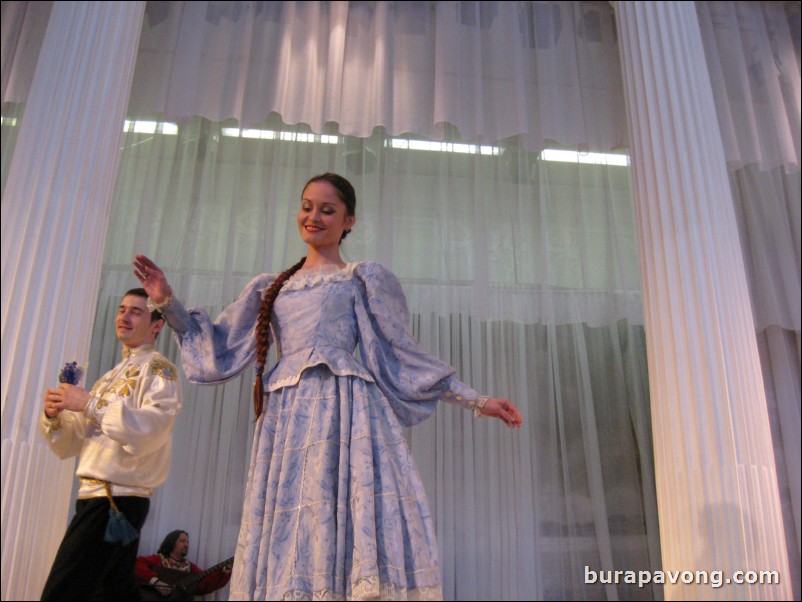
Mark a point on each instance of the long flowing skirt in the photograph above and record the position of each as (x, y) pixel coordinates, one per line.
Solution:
(334, 507)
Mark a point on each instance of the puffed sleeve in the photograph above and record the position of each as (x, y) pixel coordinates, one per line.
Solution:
(215, 351)
(64, 434)
(411, 379)
(146, 423)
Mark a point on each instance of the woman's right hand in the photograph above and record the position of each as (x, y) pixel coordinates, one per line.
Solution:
(504, 409)
(153, 279)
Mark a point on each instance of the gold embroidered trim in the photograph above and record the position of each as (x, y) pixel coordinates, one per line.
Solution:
(164, 368)
(107, 487)
(92, 411)
(98, 385)
(124, 385)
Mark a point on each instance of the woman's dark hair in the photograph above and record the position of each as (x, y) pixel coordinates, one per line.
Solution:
(345, 192)
(168, 543)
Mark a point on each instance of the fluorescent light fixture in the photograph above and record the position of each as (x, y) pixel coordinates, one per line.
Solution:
(443, 147)
(151, 127)
(566, 156)
(11, 121)
(274, 135)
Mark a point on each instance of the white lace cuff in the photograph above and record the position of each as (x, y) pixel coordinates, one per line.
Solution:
(472, 404)
(480, 403)
(153, 306)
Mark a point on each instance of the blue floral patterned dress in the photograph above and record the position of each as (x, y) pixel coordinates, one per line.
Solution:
(334, 506)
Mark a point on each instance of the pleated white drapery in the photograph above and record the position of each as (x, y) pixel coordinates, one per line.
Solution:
(55, 212)
(713, 446)
(753, 55)
(754, 73)
(544, 71)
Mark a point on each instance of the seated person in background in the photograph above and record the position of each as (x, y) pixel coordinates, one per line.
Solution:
(169, 573)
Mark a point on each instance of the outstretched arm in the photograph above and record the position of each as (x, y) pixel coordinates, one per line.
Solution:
(411, 378)
(212, 351)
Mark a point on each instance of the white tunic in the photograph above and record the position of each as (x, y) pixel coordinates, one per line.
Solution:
(124, 436)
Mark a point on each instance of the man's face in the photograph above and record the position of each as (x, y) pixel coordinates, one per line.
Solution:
(133, 324)
(181, 548)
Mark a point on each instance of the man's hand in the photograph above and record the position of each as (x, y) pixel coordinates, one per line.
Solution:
(65, 397)
(165, 589)
(53, 403)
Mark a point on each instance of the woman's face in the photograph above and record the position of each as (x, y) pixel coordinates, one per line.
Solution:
(323, 216)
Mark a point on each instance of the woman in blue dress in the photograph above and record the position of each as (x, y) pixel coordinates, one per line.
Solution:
(334, 506)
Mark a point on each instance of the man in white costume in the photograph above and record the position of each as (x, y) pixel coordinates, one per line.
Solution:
(122, 432)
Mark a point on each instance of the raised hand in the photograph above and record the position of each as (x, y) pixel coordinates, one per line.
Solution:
(503, 409)
(152, 278)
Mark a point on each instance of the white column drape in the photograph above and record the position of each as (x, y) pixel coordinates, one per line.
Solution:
(752, 50)
(55, 210)
(717, 489)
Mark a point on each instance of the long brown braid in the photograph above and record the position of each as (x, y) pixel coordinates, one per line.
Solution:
(263, 333)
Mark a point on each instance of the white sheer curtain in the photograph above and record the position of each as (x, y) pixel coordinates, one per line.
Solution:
(753, 54)
(465, 233)
(544, 70)
(23, 29)
(55, 207)
(522, 273)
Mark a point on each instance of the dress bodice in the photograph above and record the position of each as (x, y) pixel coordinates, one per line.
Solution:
(316, 312)
(314, 322)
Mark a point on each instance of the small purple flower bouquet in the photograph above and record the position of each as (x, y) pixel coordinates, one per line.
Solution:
(71, 373)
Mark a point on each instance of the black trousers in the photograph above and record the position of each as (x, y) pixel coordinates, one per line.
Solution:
(88, 568)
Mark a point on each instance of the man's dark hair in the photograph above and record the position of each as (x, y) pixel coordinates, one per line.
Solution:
(169, 542)
(140, 292)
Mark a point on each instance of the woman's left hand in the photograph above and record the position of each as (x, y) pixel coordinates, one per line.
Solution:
(503, 409)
